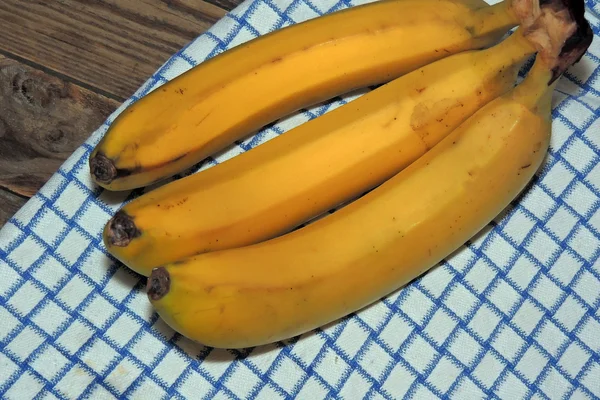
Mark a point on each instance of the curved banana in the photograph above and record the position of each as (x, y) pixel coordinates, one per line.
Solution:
(339, 264)
(314, 167)
(237, 92)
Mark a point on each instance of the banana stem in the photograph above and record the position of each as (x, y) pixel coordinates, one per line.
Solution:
(536, 86)
(561, 35)
(516, 45)
(495, 19)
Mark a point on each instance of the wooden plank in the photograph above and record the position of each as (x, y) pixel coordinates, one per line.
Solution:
(75, 51)
(226, 4)
(10, 203)
(196, 9)
(111, 45)
(42, 121)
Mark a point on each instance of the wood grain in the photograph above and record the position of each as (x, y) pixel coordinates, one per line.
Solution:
(68, 64)
(42, 121)
(10, 203)
(226, 4)
(109, 45)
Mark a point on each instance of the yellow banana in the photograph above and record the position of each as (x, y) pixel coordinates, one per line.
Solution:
(314, 167)
(237, 92)
(283, 287)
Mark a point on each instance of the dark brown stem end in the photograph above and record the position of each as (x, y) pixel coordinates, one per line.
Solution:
(557, 29)
(158, 284)
(121, 229)
(577, 44)
(103, 168)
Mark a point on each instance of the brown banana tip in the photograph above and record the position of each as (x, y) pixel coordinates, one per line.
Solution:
(121, 230)
(577, 44)
(158, 284)
(103, 168)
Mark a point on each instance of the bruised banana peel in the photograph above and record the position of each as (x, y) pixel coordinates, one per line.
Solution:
(286, 286)
(314, 167)
(232, 95)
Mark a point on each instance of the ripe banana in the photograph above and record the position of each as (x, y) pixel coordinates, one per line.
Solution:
(237, 92)
(337, 265)
(333, 158)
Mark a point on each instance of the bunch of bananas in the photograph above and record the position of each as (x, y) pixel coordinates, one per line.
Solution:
(446, 142)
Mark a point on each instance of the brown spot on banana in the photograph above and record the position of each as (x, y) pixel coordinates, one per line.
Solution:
(203, 118)
(389, 123)
(425, 114)
(132, 147)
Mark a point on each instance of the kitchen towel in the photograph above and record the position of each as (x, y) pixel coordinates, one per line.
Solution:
(513, 314)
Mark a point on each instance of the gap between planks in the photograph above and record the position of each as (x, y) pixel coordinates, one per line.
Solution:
(66, 65)
(111, 45)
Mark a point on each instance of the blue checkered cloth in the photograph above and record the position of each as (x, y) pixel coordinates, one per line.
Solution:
(514, 314)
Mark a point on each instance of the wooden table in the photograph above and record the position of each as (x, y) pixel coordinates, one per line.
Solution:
(65, 65)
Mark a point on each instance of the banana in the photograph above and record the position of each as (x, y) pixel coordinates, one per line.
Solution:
(237, 92)
(282, 287)
(314, 167)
